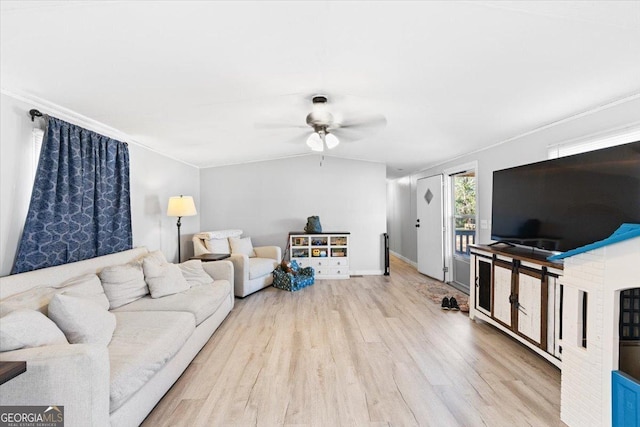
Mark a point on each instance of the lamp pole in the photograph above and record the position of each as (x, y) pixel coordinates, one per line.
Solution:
(179, 243)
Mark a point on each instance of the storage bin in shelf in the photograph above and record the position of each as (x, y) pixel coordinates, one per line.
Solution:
(338, 240)
(300, 253)
(319, 241)
(319, 252)
(300, 241)
(338, 252)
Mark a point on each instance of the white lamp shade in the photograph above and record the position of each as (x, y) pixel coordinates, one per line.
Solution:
(181, 206)
(315, 142)
(331, 141)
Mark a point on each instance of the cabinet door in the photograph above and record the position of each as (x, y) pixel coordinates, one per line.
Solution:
(483, 285)
(502, 275)
(530, 313)
(529, 306)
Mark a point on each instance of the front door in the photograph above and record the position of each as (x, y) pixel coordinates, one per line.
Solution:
(430, 227)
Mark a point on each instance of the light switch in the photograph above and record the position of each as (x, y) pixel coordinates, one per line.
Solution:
(484, 224)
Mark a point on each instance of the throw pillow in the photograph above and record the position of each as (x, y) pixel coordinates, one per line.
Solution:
(25, 328)
(242, 246)
(82, 320)
(87, 286)
(217, 246)
(163, 278)
(123, 283)
(194, 274)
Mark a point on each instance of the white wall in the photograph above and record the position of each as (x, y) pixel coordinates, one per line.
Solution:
(400, 194)
(269, 199)
(529, 148)
(154, 178)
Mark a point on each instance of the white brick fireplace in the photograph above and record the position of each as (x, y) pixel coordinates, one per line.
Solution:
(599, 271)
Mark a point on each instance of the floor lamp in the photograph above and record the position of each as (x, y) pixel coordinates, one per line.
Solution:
(181, 206)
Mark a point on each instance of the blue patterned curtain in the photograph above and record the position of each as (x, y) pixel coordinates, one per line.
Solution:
(80, 206)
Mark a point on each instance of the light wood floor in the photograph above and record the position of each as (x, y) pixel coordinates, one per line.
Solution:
(364, 351)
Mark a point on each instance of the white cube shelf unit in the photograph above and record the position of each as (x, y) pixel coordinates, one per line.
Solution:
(327, 253)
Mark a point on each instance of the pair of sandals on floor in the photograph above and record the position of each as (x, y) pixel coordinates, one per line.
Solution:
(450, 304)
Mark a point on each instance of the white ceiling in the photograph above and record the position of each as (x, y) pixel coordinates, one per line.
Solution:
(192, 79)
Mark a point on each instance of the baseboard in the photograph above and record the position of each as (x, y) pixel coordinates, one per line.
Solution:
(405, 259)
(366, 273)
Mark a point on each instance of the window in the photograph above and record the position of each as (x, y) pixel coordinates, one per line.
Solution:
(583, 318)
(630, 315)
(594, 142)
(464, 211)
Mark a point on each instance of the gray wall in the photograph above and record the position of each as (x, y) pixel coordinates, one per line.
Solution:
(268, 199)
(529, 148)
(154, 178)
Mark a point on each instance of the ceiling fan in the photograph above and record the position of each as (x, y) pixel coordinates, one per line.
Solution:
(326, 128)
(330, 129)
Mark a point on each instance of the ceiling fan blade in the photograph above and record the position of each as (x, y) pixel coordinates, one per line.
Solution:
(300, 138)
(372, 122)
(348, 135)
(278, 126)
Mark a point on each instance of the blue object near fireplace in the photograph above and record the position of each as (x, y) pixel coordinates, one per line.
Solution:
(625, 400)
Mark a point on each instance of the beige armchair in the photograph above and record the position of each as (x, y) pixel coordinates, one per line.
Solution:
(253, 266)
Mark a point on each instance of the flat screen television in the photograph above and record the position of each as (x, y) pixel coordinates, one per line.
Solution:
(565, 203)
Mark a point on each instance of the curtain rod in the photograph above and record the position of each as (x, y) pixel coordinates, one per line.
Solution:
(34, 113)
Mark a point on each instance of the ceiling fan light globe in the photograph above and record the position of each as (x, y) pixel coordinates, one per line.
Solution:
(315, 142)
(331, 140)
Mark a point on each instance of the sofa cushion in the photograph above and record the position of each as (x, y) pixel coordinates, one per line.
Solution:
(82, 320)
(219, 234)
(34, 299)
(259, 267)
(87, 286)
(123, 283)
(194, 273)
(162, 278)
(38, 298)
(216, 241)
(142, 344)
(242, 246)
(24, 328)
(201, 300)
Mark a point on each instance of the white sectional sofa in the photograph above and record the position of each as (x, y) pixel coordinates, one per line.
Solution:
(117, 384)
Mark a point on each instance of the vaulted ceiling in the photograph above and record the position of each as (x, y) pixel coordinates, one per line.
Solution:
(203, 82)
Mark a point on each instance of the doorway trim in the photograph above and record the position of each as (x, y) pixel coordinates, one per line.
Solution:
(448, 212)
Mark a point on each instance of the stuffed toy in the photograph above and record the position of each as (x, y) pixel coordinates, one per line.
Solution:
(284, 266)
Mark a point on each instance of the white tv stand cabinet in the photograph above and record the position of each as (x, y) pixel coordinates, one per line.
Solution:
(327, 253)
(518, 291)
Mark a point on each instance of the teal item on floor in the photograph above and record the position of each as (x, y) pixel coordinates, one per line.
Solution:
(295, 279)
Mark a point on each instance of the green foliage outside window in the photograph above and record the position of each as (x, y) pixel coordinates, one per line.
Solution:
(465, 202)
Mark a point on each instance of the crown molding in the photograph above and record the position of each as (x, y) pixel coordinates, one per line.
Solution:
(66, 114)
